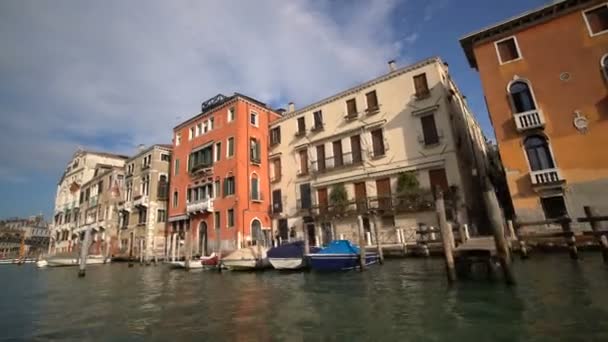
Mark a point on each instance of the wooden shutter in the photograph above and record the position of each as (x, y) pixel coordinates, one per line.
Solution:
(321, 157)
(421, 85)
(429, 130)
(360, 195)
(355, 146)
(337, 147)
(322, 197)
(351, 106)
(303, 162)
(372, 100)
(383, 189)
(277, 168)
(378, 142)
(438, 178)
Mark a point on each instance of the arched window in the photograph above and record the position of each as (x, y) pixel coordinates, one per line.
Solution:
(539, 155)
(521, 96)
(256, 231)
(604, 64)
(175, 199)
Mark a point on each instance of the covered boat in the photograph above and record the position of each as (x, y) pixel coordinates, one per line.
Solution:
(247, 259)
(182, 264)
(339, 255)
(289, 256)
(70, 260)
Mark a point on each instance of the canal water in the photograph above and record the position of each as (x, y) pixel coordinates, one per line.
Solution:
(405, 300)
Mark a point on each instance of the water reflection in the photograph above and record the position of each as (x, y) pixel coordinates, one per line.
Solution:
(404, 300)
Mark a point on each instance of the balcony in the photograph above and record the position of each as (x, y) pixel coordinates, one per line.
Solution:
(529, 120)
(145, 167)
(336, 162)
(205, 169)
(141, 201)
(93, 201)
(201, 206)
(546, 176)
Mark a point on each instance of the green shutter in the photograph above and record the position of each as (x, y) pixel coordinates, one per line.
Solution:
(225, 187)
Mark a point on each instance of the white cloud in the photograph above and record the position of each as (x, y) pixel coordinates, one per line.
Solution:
(411, 38)
(114, 74)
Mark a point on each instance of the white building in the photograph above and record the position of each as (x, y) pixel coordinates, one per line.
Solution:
(412, 120)
(79, 170)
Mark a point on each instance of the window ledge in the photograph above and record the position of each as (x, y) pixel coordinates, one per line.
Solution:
(372, 111)
(350, 117)
(256, 162)
(316, 129)
(380, 156)
(433, 145)
(422, 96)
(511, 61)
(300, 133)
(302, 174)
(257, 200)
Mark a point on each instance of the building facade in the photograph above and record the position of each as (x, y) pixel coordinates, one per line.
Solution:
(545, 79)
(79, 170)
(359, 146)
(219, 190)
(28, 237)
(143, 208)
(98, 210)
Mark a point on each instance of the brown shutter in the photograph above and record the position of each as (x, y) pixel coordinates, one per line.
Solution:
(277, 168)
(303, 162)
(383, 188)
(429, 130)
(351, 107)
(360, 195)
(321, 157)
(337, 147)
(355, 146)
(322, 196)
(378, 142)
(372, 100)
(438, 178)
(421, 85)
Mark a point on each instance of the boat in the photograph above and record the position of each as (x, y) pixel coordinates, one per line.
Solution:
(289, 256)
(339, 255)
(209, 261)
(60, 261)
(182, 264)
(16, 261)
(247, 259)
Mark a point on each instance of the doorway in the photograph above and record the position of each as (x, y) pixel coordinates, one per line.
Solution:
(202, 238)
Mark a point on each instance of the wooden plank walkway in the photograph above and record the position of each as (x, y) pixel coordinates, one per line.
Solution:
(485, 243)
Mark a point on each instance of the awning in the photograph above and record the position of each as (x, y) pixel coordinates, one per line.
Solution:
(178, 218)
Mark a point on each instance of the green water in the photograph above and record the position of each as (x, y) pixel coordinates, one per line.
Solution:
(405, 300)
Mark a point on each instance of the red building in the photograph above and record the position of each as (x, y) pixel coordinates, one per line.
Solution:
(219, 180)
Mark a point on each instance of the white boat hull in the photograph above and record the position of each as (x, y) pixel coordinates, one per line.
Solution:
(194, 264)
(62, 262)
(287, 263)
(241, 265)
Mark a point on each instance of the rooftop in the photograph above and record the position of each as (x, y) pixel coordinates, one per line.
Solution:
(530, 18)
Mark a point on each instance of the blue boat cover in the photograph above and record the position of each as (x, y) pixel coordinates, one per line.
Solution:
(290, 250)
(340, 247)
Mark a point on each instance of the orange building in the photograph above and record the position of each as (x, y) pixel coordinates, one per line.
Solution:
(219, 176)
(545, 78)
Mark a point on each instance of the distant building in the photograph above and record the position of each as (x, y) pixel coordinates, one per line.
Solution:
(97, 209)
(143, 208)
(219, 175)
(545, 78)
(411, 124)
(32, 231)
(79, 170)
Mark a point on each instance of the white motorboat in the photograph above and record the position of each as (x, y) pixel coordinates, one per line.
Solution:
(247, 259)
(194, 264)
(58, 261)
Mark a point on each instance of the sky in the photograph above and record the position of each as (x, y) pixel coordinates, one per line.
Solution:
(111, 75)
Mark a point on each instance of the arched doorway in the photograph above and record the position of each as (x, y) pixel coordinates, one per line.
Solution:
(256, 232)
(202, 238)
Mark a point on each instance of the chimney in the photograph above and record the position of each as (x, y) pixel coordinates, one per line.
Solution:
(141, 147)
(392, 66)
(291, 108)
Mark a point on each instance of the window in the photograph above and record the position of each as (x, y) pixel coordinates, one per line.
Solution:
(277, 206)
(338, 158)
(318, 120)
(429, 130)
(178, 139)
(507, 50)
(355, 146)
(275, 136)
(217, 188)
(231, 114)
(81, 197)
(165, 157)
(99, 187)
(163, 187)
(175, 195)
(161, 215)
(253, 119)
(129, 194)
(191, 133)
(216, 216)
(604, 65)
(321, 157)
(539, 155)
(230, 217)
(305, 196)
(199, 129)
(378, 142)
(255, 188)
(230, 149)
(597, 19)
(254, 151)
(301, 126)
(176, 167)
(211, 123)
(200, 159)
(554, 207)
(218, 151)
(372, 101)
(421, 86)
(143, 213)
(146, 161)
(145, 185)
(303, 162)
(521, 97)
(351, 108)
(229, 186)
(276, 169)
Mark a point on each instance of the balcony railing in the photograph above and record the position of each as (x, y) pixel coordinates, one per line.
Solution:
(547, 176)
(202, 168)
(256, 197)
(205, 205)
(529, 120)
(336, 162)
(142, 200)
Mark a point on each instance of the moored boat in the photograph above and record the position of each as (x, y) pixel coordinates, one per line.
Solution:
(60, 261)
(339, 255)
(247, 259)
(290, 256)
(194, 264)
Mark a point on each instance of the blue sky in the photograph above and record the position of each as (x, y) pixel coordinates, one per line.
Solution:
(115, 74)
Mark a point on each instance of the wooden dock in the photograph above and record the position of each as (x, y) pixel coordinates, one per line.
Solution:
(477, 245)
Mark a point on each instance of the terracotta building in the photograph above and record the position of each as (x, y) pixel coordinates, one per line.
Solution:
(219, 175)
(545, 78)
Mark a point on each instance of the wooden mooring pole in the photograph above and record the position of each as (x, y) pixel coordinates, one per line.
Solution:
(445, 237)
(496, 223)
(378, 244)
(84, 252)
(595, 227)
(570, 238)
(361, 243)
